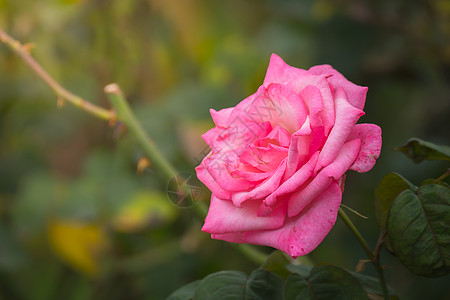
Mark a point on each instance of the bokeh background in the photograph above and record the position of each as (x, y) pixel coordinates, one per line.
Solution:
(76, 219)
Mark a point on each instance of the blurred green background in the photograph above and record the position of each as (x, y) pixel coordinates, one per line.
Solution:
(78, 222)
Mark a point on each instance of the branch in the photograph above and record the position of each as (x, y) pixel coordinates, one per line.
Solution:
(61, 93)
(373, 257)
(123, 113)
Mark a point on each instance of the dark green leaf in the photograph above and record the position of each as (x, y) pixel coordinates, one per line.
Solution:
(276, 263)
(419, 150)
(324, 282)
(418, 227)
(372, 285)
(433, 181)
(222, 285)
(301, 270)
(186, 292)
(385, 193)
(297, 287)
(261, 284)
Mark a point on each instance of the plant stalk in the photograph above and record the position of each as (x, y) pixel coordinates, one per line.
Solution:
(61, 92)
(370, 255)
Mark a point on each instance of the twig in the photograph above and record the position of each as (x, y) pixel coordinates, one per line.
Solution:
(370, 255)
(123, 113)
(23, 52)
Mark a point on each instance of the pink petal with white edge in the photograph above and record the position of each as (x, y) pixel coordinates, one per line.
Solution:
(370, 136)
(224, 217)
(356, 94)
(220, 117)
(301, 234)
(345, 158)
(346, 117)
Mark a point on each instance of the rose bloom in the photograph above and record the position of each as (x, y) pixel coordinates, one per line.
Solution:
(277, 161)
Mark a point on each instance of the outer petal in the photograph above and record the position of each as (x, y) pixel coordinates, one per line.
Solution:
(280, 72)
(204, 176)
(224, 217)
(370, 136)
(333, 171)
(216, 165)
(346, 117)
(220, 117)
(299, 235)
(356, 94)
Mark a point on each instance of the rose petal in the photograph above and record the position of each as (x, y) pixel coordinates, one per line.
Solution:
(291, 107)
(297, 79)
(356, 94)
(262, 190)
(281, 135)
(346, 117)
(216, 165)
(299, 235)
(280, 72)
(224, 217)
(251, 174)
(299, 149)
(204, 176)
(333, 171)
(294, 182)
(370, 136)
(220, 117)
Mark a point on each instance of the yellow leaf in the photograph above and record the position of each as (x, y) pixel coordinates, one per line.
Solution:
(145, 208)
(79, 244)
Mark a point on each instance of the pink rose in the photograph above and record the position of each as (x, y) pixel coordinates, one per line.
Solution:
(278, 158)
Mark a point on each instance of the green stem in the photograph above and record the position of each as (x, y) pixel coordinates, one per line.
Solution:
(122, 113)
(125, 115)
(370, 255)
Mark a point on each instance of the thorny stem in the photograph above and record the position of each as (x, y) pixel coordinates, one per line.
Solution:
(60, 92)
(370, 255)
(125, 115)
(122, 113)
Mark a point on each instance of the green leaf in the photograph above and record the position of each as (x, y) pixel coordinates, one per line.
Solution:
(433, 181)
(297, 288)
(372, 285)
(418, 228)
(186, 292)
(276, 263)
(419, 150)
(385, 193)
(303, 282)
(301, 270)
(222, 285)
(324, 282)
(261, 284)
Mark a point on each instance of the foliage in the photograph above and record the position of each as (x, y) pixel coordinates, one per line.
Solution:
(78, 222)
